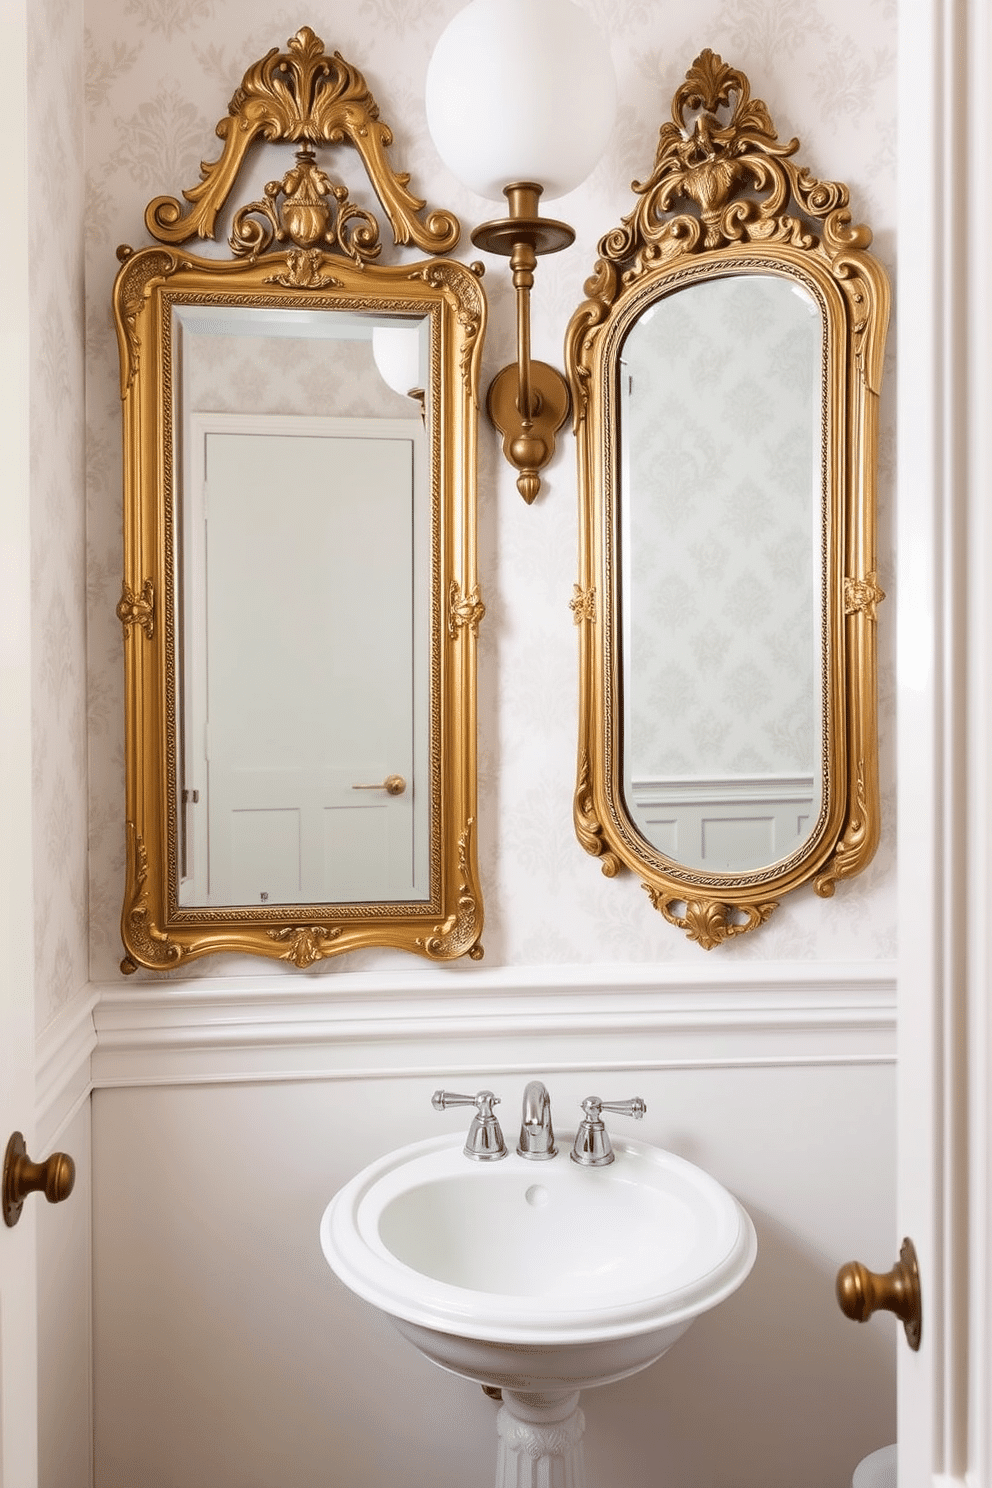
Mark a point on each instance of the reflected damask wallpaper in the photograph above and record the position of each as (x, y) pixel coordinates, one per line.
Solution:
(159, 74)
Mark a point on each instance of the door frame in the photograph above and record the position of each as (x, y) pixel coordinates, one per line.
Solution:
(944, 544)
(18, 1262)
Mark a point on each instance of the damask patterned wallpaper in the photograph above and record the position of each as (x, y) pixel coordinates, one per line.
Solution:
(159, 74)
(58, 536)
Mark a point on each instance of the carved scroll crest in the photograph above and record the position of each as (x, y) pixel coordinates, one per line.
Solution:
(308, 98)
(722, 177)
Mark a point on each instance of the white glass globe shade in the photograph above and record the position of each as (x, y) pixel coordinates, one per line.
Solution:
(396, 352)
(521, 90)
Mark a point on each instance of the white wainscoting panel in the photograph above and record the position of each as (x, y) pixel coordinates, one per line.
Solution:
(363, 1025)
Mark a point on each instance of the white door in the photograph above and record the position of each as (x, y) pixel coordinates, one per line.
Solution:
(18, 1300)
(312, 594)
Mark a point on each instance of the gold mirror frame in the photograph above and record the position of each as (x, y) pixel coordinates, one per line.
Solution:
(307, 98)
(726, 197)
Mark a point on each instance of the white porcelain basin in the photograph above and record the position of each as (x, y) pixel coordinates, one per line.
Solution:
(538, 1275)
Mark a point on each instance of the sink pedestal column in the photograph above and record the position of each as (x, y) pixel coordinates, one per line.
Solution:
(540, 1441)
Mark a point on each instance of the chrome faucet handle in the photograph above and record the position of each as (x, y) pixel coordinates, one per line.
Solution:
(537, 1137)
(592, 1147)
(484, 1142)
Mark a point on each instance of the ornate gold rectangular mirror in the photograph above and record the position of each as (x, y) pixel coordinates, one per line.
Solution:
(725, 373)
(300, 605)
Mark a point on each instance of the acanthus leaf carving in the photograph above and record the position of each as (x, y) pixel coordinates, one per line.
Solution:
(459, 934)
(709, 922)
(134, 287)
(303, 96)
(150, 945)
(588, 827)
(305, 944)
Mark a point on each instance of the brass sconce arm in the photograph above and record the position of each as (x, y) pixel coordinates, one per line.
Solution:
(528, 402)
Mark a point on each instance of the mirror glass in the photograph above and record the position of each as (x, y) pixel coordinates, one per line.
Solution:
(720, 403)
(305, 490)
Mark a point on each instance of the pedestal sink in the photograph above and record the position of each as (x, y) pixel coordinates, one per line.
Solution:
(538, 1278)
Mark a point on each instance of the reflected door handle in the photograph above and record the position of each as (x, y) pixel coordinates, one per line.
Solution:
(393, 785)
(861, 1292)
(54, 1178)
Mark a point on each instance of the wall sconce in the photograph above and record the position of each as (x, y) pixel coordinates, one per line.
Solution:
(521, 98)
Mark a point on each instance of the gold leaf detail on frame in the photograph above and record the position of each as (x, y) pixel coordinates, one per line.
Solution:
(857, 846)
(863, 595)
(304, 270)
(313, 211)
(707, 921)
(152, 945)
(134, 287)
(460, 934)
(464, 610)
(588, 827)
(306, 943)
(137, 609)
(582, 604)
(469, 299)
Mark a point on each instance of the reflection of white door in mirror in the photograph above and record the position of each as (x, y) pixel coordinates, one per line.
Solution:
(721, 412)
(305, 629)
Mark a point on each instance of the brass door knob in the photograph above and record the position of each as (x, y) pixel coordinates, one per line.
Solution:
(861, 1292)
(393, 785)
(54, 1178)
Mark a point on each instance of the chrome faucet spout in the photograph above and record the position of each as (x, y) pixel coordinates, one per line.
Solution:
(537, 1138)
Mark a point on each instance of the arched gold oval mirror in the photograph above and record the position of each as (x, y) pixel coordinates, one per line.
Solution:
(300, 605)
(725, 372)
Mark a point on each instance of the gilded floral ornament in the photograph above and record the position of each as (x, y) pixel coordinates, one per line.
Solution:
(308, 209)
(863, 595)
(464, 609)
(305, 944)
(582, 604)
(137, 609)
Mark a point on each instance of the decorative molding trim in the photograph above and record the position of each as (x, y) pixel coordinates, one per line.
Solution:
(63, 1053)
(366, 1025)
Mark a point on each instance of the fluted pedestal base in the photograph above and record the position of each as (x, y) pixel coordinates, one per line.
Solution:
(540, 1441)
